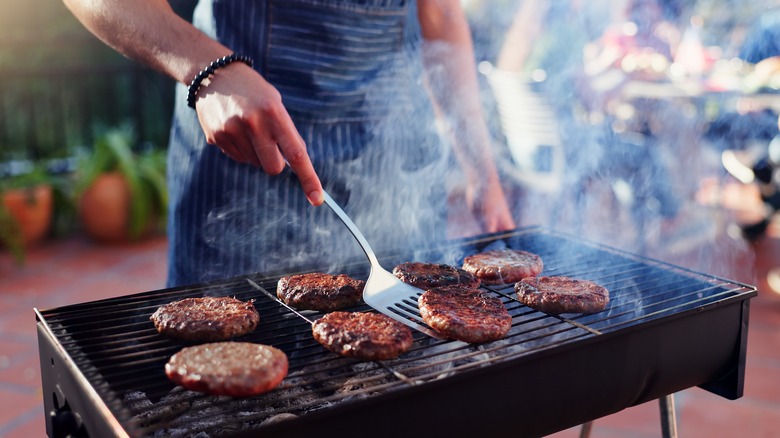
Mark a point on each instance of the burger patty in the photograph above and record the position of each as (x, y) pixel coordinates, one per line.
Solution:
(562, 295)
(320, 291)
(431, 275)
(503, 266)
(468, 315)
(237, 369)
(206, 318)
(368, 336)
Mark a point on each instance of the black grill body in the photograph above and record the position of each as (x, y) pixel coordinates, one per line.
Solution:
(666, 329)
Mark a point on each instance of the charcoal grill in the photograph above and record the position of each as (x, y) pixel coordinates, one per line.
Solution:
(666, 329)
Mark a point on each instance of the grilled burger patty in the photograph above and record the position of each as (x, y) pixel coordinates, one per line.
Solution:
(431, 275)
(503, 266)
(206, 318)
(237, 369)
(468, 315)
(368, 336)
(562, 295)
(320, 291)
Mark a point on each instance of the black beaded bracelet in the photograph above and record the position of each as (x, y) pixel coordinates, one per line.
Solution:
(192, 90)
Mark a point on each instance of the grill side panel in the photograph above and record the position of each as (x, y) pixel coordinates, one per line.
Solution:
(70, 407)
(732, 384)
(549, 391)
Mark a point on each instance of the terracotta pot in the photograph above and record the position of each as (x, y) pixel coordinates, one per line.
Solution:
(104, 208)
(32, 208)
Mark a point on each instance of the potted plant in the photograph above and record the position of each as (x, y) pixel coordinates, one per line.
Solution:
(122, 195)
(26, 209)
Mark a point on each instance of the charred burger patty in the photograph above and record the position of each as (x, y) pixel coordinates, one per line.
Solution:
(431, 275)
(468, 315)
(237, 369)
(562, 295)
(503, 266)
(320, 291)
(206, 318)
(368, 336)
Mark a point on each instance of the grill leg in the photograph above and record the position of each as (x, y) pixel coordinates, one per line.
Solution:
(668, 417)
(585, 431)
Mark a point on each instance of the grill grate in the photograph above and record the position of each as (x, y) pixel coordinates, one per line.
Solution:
(116, 348)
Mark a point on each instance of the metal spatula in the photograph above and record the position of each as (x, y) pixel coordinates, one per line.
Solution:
(384, 291)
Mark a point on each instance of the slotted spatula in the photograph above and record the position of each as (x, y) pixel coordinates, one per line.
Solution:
(384, 291)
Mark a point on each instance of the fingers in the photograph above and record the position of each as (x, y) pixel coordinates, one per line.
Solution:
(270, 155)
(251, 125)
(294, 151)
(236, 148)
(498, 216)
(229, 148)
(501, 221)
(278, 142)
(495, 221)
(310, 182)
(491, 205)
(271, 158)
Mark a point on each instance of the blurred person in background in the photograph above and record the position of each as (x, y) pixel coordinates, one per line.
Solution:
(749, 136)
(568, 52)
(639, 46)
(641, 42)
(345, 91)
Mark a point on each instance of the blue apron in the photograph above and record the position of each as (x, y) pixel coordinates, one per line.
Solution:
(350, 76)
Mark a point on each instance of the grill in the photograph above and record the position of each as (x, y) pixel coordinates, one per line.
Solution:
(666, 329)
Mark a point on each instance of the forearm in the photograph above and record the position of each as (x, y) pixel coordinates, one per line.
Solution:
(240, 112)
(452, 79)
(150, 32)
(520, 38)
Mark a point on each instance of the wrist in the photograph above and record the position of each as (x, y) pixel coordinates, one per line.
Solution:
(209, 70)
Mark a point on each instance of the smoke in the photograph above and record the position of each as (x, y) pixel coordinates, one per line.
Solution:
(611, 154)
(621, 172)
(390, 174)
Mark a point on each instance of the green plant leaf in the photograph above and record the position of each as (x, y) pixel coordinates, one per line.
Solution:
(64, 215)
(152, 171)
(37, 175)
(91, 166)
(119, 143)
(11, 235)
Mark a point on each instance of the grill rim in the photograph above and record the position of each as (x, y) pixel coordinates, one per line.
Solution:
(113, 420)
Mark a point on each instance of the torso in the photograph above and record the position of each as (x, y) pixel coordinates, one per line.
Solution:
(364, 115)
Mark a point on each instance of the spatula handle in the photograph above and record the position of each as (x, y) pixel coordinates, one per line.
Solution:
(350, 225)
(352, 228)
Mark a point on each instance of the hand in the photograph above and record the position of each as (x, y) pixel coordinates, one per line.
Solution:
(489, 205)
(243, 115)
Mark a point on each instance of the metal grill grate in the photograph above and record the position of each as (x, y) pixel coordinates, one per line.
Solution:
(122, 357)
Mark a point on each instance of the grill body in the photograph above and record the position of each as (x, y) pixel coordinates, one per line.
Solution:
(666, 329)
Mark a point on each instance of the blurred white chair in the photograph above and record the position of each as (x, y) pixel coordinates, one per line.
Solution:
(531, 130)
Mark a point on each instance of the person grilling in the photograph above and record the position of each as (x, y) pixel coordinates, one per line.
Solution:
(347, 92)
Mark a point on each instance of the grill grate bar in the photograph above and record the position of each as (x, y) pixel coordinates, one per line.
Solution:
(274, 298)
(165, 349)
(217, 408)
(404, 375)
(665, 310)
(113, 354)
(485, 352)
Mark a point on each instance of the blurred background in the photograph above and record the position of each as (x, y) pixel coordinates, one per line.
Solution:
(647, 125)
(637, 110)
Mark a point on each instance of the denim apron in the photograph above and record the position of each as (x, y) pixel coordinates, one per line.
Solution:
(350, 76)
